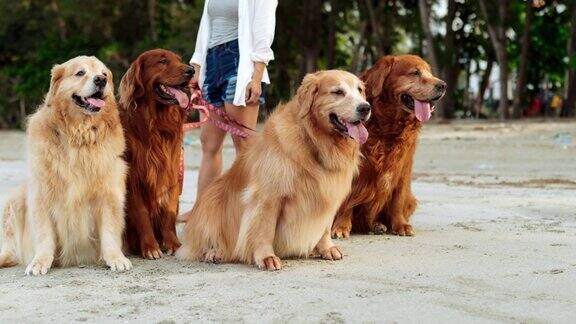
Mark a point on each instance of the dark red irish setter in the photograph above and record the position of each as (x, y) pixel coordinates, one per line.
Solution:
(153, 94)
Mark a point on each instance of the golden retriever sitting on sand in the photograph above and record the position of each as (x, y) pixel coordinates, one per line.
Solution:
(281, 194)
(71, 210)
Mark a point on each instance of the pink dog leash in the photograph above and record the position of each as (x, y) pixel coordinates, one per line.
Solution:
(230, 125)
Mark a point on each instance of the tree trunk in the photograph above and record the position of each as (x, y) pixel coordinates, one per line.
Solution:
(546, 105)
(497, 32)
(503, 104)
(388, 10)
(62, 30)
(450, 68)
(310, 45)
(569, 106)
(466, 97)
(449, 101)
(310, 60)
(483, 86)
(22, 102)
(359, 46)
(449, 59)
(420, 49)
(330, 57)
(377, 18)
(446, 68)
(431, 53)
(152, 19)
(503, 15)
(520, 94)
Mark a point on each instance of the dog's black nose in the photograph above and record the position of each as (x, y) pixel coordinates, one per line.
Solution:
(363, 109)
(189, 71)
(100, 81)
(441, 86)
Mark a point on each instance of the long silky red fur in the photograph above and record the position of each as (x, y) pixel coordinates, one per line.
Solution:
(382, 194)
(154, 136)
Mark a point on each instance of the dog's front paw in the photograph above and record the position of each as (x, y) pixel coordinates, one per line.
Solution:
(172, 246)
(213, 256)
(332, 253)
(7, 260)
(270, 263)
(151, 251)
(39, 266)
(402, 229)
(119, 263)
(341, 228)
(340, 232)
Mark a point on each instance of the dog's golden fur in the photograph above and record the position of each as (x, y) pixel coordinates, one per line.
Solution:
(281, 194)
(71, 210)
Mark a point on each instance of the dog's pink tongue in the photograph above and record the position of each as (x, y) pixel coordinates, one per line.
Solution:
(96, 102)
(181, 96)
(358, 132)
(422, 110)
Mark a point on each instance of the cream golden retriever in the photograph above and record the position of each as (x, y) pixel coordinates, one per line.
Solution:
(71, 210)
(281, 194)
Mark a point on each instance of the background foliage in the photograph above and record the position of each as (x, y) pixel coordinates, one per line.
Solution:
(310, 35)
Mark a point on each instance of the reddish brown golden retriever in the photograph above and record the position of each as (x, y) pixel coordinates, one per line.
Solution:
(402, 92)
(153, 93)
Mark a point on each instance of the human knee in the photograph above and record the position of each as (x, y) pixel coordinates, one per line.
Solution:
(211, 145)
(239, 143)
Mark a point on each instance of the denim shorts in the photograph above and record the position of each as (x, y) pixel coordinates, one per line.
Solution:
(221, 74)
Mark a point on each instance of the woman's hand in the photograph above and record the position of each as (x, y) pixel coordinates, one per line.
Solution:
(254, 89)
(253, 92)
(193, 84)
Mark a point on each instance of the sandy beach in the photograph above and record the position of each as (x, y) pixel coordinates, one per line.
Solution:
(495, 242)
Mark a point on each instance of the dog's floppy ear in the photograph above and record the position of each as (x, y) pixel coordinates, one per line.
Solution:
(111, 99)
(375, 77)
(111, 75)
(57, 74)
(307, 93)
(131, 85)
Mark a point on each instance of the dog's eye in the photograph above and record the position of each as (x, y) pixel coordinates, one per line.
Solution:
(416, 73)
(338, 92)
(163, 61)
(80, 73)
(105, 74)
(360, 89)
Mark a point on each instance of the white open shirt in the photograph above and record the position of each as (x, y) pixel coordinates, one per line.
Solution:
(256, 24)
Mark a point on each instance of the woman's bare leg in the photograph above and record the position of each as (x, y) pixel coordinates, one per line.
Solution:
(247, 116)
(212, 139)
